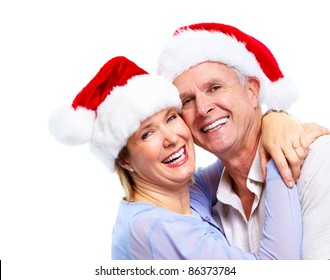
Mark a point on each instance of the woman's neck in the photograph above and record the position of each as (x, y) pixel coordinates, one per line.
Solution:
(177, 200)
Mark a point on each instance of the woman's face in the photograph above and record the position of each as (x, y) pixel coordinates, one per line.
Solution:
(161, 151)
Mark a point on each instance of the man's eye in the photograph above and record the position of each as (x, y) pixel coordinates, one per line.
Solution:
(186, 101)
(215, 88)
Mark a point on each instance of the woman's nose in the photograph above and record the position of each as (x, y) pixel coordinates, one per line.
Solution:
(170, 137)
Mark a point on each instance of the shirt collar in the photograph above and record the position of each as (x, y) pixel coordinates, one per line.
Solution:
(225, 193)
(255, 173)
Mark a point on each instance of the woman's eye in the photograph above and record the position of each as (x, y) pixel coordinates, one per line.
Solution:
(171, 118)
(146, 134)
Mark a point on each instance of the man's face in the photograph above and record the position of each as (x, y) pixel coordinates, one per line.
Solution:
(218, 109)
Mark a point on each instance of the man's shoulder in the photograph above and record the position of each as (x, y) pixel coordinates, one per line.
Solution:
(318, 158)
(322, 142)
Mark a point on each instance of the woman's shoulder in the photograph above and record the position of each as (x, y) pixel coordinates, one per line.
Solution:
(209, 173)
(131, 210)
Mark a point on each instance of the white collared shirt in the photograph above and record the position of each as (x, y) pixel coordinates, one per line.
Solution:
(314, 188)
(229, 212)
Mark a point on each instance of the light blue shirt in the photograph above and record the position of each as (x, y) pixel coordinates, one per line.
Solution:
(144, 231)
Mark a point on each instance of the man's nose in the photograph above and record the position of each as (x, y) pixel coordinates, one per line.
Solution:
(203, 105)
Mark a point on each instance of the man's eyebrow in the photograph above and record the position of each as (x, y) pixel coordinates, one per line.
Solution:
(211, 82)
(184, 94)
(204, 85)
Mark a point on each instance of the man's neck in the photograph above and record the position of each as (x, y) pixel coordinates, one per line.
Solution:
(238, 166)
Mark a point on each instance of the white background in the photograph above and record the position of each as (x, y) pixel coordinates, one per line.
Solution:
(58, 203)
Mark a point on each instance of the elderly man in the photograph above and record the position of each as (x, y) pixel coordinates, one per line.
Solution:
(221, 75)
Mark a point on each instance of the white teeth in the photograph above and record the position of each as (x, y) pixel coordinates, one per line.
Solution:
(215, 124)
(174, 157)
(178, 159)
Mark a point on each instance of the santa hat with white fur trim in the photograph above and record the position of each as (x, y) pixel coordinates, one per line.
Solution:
(110, 108)
(197, 43)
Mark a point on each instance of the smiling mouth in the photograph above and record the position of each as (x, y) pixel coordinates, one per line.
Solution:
(215, 125)
(175, 157)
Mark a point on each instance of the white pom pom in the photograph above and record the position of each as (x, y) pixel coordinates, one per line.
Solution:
(280, 94)
(72, 127)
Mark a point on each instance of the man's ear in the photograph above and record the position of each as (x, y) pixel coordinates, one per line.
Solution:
(253, 84)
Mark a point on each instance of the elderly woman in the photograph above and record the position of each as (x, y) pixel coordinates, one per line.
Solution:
(132, 121)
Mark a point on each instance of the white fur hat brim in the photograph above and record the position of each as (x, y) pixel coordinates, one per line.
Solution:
(116, 118)
(122, 112)
(192, 47)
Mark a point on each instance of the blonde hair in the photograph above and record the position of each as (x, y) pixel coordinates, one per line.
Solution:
(124, 175)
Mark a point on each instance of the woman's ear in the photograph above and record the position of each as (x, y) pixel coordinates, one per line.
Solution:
(123, 159)
(125, 164)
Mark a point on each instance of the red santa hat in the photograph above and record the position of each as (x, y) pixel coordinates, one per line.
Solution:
(197, 43)
(111, 107)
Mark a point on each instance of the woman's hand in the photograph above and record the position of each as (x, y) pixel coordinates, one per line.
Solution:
(287, 142)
